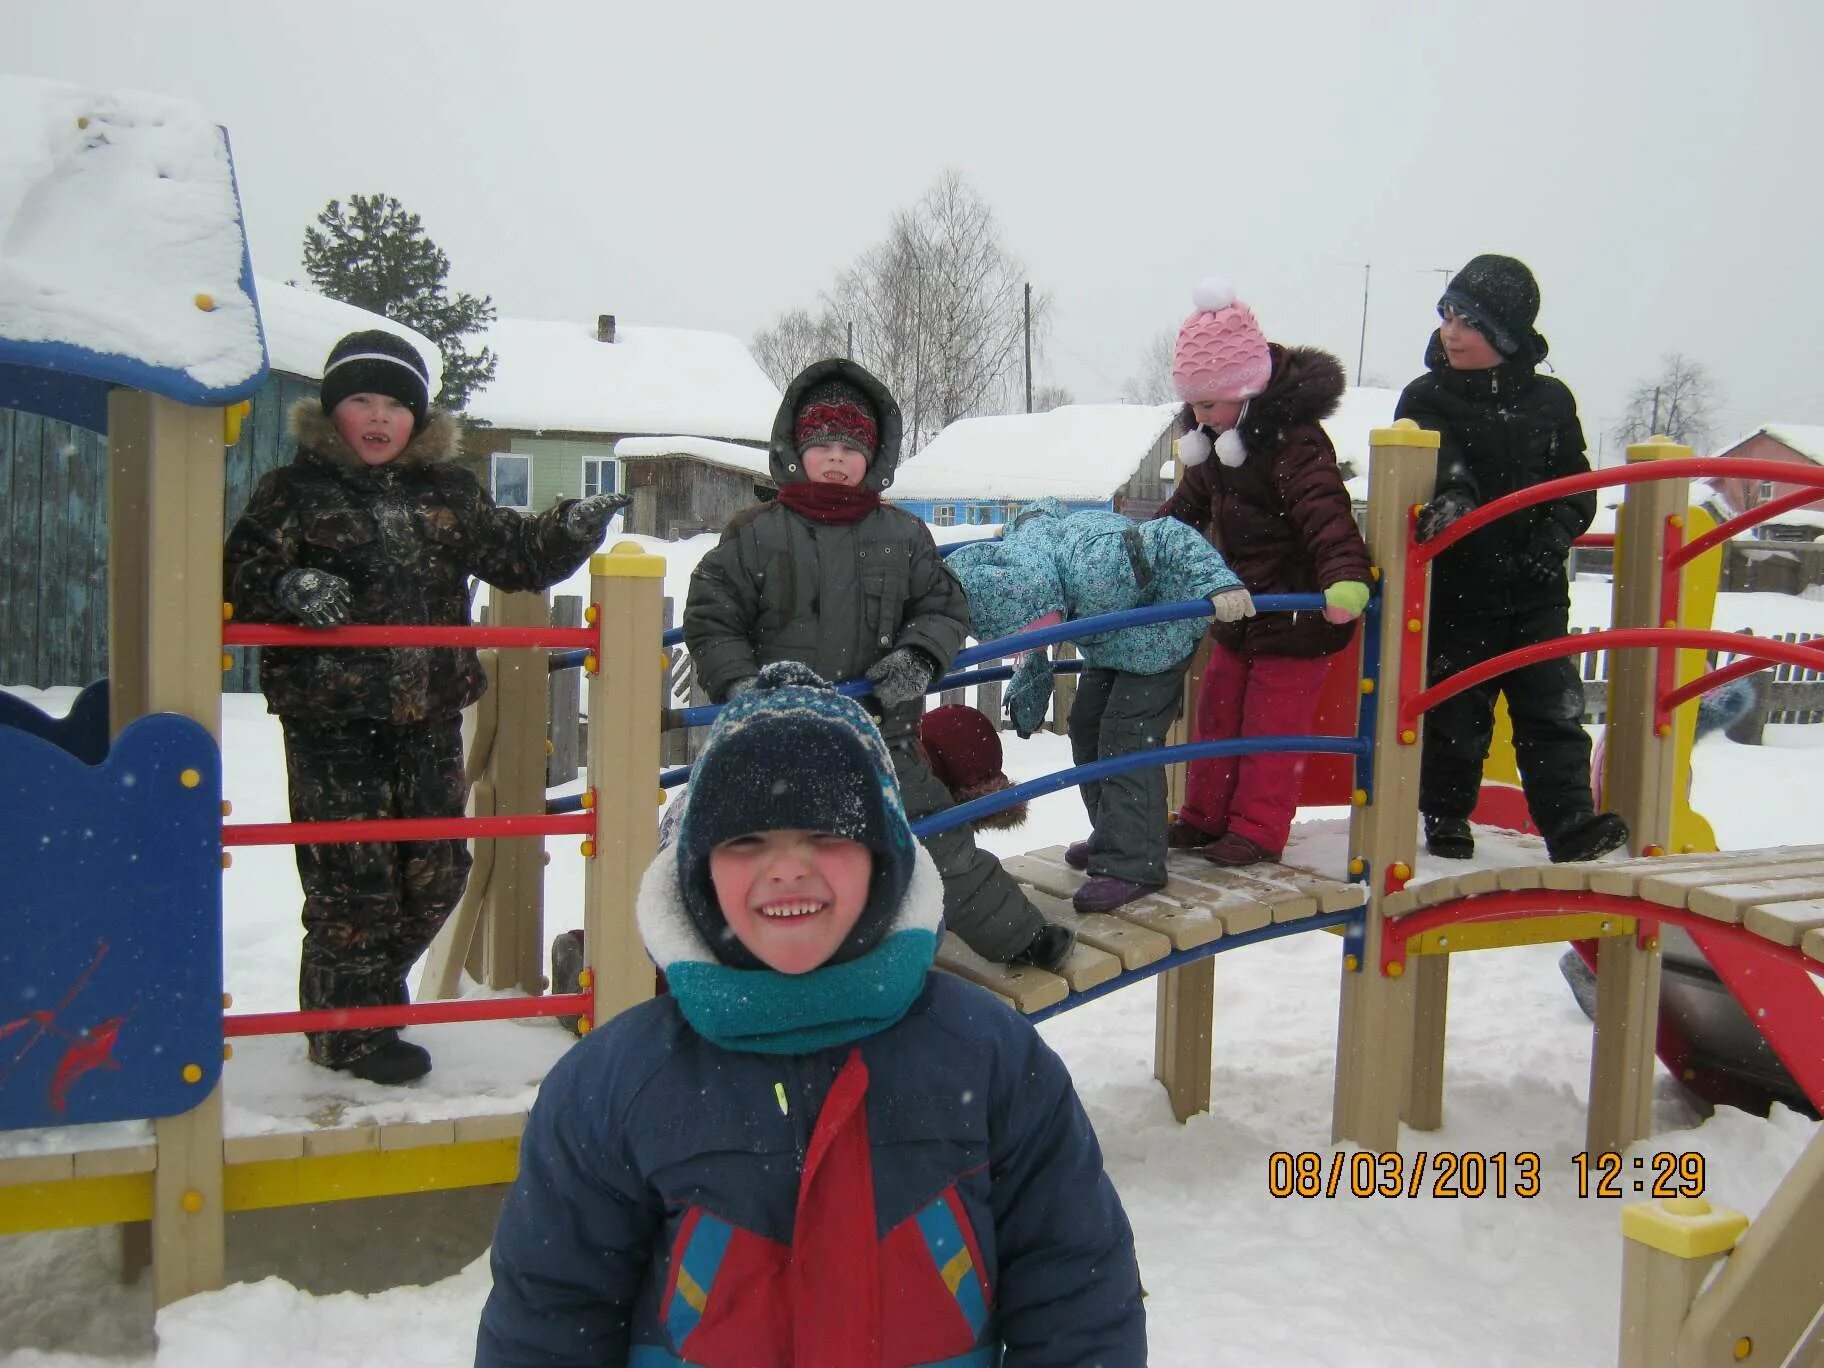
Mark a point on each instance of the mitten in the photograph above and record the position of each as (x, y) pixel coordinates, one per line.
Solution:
(900, 676)
(1345, 601)
(1442, 511)
(1029, 693)
(314, 597)
(1232, 605)
(587, 519)
(1543, 560)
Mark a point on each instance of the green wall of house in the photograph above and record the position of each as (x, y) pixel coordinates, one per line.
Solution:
(557, 465)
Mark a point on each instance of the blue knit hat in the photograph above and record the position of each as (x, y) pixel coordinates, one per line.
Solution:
(790, 753)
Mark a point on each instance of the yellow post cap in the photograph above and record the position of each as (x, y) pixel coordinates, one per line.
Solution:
(628, 560)
(1404, 433)
(1658, 448)
(1684, 1227)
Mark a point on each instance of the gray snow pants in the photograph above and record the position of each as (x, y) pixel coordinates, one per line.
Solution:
(1117, 713)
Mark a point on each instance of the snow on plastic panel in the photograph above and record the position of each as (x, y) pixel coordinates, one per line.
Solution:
(110, 926)
(123, 260)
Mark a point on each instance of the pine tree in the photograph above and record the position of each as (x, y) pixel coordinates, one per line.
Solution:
(374, 254)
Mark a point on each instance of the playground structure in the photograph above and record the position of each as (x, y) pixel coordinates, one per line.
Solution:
(114, 845)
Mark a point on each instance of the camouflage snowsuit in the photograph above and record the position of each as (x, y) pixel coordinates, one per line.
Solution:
(376, 733)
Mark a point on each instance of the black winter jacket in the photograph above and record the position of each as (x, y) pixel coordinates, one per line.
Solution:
(1502, 430)
(406, 536)
(836, 598)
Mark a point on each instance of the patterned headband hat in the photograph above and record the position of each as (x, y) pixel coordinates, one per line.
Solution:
(836, 413)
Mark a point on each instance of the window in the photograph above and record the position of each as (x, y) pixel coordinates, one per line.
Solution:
(979, 514)
(943, 515)
(510, 479)
(1766, 491)
(599, 476)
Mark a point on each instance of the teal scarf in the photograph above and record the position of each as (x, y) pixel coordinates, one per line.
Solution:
(762, 1011)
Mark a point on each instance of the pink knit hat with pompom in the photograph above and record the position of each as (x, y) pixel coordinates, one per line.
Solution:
(1221, 353)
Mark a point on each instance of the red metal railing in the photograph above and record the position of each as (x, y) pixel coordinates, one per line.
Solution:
(407, 1014)
(406, 829)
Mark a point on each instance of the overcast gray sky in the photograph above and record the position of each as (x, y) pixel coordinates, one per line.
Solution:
(710, 165)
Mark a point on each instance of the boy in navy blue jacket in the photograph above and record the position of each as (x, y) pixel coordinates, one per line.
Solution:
(814, 1150)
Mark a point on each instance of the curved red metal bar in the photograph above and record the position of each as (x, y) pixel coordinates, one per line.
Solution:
(406, 829)
(1695, 467)
(364, 634)
(1784, 652)
(1741, 522)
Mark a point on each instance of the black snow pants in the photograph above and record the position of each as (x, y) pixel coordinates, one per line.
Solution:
(371, 908)
(1544, 701)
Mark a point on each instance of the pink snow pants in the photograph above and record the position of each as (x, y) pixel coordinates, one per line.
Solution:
(1266, 695)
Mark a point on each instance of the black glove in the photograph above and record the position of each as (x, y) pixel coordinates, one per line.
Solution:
(314, 597)
(587, 519)
(901, 676)
(1442, 511)
(1543, 560)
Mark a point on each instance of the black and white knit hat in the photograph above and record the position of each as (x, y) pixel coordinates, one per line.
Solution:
(792, 753)
(377, 362)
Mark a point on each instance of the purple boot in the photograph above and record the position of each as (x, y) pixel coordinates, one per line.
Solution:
(1105, 892)
(1076, 854)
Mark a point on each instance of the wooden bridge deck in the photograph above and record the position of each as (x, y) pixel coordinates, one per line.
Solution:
(1776, 894)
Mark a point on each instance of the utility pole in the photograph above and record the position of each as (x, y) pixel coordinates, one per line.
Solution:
(848, 347)
(1029, 346)
(1653, 431)
(918, 348)
(1361, 347)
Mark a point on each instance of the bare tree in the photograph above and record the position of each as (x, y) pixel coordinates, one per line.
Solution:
(1152, 384)
(1680, 402)
(796, 340)
(1048, 397)
(938, 310)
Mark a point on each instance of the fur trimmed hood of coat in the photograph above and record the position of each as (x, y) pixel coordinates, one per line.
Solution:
(1306, 387)
(782, 454)
(437, 439)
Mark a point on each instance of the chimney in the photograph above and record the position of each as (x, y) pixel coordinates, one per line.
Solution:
(604, 327)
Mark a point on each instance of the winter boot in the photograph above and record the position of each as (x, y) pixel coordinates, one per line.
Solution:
(1588, 838)
(1449, 838)
(1105, 892)
(1050, 948)
(1235, 850)
(1076, 854)
(1181, 835)
(567, 972)
(396, 1061)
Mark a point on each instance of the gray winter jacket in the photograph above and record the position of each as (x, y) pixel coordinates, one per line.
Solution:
(834, 597)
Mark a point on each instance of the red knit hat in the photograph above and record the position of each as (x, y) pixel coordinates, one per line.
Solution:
(965, 754)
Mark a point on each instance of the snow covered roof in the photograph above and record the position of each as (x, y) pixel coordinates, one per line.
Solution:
(1080, 451)
(729, 455)
(558, 377)
(122, 256)
(301, 327)
(1805, 438)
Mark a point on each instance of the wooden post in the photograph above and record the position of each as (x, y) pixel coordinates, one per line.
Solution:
(165, 476)
(1375, 1018)
(565, 690)
(1184, 1007)
(1063, 690)
(626, 695)
(1639, 785)
(511, 946)
(1668, 1249)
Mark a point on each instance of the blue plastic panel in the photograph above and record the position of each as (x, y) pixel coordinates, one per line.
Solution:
(110, 926)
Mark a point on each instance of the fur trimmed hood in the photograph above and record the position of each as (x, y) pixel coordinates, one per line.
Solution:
(1306, 387)
(437, 439)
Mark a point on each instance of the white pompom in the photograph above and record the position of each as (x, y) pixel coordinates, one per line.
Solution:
(1230, 449)
(1213, 293)
(1194, 447)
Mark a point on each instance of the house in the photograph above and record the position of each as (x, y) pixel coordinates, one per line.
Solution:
(685, 485)
(55, 478)
(982, 470)
(1794, 444)
(564, 393)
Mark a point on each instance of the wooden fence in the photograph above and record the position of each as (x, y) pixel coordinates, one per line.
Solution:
(1783, 693)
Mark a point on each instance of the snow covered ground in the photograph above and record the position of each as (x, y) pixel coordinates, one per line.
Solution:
(1234, 1275)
